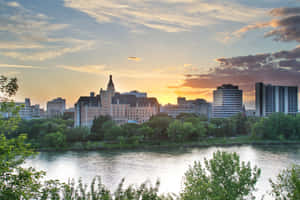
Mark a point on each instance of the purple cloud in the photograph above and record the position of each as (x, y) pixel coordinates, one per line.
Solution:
(277, 68)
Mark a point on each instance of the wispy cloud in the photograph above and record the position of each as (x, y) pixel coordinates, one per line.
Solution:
(187, 65)
(134, 58)
(10, 73)
(19, 66)
(91, 69)
(285, 26)
(13, 4)
(35, 33)
(48, 53)
(19, 45)
(165, 15)
(171, 73)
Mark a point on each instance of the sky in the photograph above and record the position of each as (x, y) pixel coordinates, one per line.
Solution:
(167, 48)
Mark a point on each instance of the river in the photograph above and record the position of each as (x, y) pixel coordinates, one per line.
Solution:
(168, 166)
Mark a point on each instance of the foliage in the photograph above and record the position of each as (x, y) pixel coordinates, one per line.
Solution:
(38, 129)
(224, 177)
(287, 185)
(9, 125)
(241, 124)
(97, 130)
(277, 126)
(129, 130)
(159, 124)
(111, 130)
(15, 182)
(77, 134)
(183, 116)
(56, 139)
(8, 87)
(146, 131)
(180, 131)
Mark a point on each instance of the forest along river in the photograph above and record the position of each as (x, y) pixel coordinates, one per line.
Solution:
(168, 166)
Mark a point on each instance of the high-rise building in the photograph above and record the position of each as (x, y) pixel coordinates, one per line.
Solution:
(28, 111)
(123, 108)
(228, 101)
(199, 107)
(275, 98)
(56, 107)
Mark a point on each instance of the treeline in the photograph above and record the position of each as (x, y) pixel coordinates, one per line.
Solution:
(59, 132)
(186, 127)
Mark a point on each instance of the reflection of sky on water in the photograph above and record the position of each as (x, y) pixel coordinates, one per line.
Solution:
(166, 165)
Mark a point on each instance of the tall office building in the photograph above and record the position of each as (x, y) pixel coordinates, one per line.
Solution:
(271, 98)
(56, 107)
(228, 101)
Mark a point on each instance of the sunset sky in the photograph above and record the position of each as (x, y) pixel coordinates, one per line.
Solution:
(167, 48)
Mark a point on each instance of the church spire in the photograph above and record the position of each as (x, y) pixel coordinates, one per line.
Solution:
(110, 85)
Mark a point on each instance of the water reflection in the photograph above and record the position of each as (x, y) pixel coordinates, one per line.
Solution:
(167, 165)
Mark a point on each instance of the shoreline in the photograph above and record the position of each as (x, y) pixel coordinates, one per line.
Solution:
(170, 145)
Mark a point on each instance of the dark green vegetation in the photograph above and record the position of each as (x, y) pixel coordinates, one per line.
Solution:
(160, 130)
(223, 177)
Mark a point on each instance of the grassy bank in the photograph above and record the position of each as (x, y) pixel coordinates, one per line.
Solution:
(209, 142)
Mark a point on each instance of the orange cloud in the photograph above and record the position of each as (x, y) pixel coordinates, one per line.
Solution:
(134, 58)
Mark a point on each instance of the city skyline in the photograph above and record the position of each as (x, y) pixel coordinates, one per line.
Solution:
(144, 94)
(68, 48)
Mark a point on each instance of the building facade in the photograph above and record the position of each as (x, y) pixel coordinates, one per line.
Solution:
(136, 93)
(198, 106)
(28, 111)
(228, 101)
(56, 107)
(133, 106)
(275, 98)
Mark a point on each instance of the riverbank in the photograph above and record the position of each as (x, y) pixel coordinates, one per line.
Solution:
(209, 142)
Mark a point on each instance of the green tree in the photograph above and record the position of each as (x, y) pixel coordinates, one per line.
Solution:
(240, 121)
(159, 124)
(77, 134)
(8, 87)
(130, 129)
(276, 126)
(111, 130)
(97, 130)
(184, 116)
(287, 185)
(15, 182)
(224, 177)
(199, 127)
(146, 131)
(56, 139)
(180, 131)
(224, 127)
(200, 130)
(175, 130)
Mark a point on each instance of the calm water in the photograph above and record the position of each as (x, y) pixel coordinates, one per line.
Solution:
(166, 165)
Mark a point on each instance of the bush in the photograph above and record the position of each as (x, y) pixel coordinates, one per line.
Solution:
(224, 177)
(287, 185)
(277, 126)
(97, 128)
(159, 124)
(56, 140)
(180, 131)
(77, 134)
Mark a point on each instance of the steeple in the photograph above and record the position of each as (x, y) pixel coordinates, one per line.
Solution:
(110, 85)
